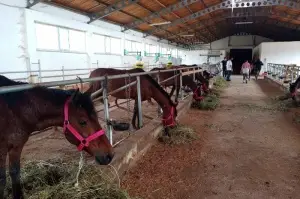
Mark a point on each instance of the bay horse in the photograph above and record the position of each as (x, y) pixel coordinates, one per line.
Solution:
(149, 89)
(202, 77)
(23, 112)
(293, 90)
(175, 82)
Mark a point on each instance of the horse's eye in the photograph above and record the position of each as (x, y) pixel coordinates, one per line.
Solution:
(82, 123)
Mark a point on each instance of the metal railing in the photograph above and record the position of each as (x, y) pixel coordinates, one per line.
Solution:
(283, 72)
(105, 93)
(39, 75)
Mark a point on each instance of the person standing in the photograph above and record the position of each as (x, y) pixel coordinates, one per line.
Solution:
(224, 66)
(229, 69)
(257, 67)
(245, 70)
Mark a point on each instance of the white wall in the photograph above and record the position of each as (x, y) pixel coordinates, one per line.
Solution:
(280, 53)
(18, 41)
(223, 46)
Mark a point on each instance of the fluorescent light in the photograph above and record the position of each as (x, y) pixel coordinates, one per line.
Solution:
(191, 35)
(244, 22)
(161, 23)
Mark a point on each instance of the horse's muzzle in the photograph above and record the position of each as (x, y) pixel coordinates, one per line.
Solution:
(104, 159)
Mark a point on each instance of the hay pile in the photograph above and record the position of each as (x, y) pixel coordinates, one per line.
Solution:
(211, 101)
(56, 179)
(178, 135)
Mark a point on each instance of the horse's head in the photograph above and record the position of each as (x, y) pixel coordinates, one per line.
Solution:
(82, 128)
(197, 93)
(169, 117)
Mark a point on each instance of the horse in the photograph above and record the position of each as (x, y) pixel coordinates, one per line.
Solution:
(293, 90)
(23, 112)
(175, 82)
(202, 77)
(149, 89)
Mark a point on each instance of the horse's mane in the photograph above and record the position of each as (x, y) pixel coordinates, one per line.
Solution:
(56, 96)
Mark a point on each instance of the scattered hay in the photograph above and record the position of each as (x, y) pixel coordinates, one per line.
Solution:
(220, 82)
(296, 118)
(56, 179)
(210, 102)
(179, 135)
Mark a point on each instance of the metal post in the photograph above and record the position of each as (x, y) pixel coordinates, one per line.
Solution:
(181, 91)
(138, 86)
(106, 110)
(40, 71)
(194, 78)
(63, 72)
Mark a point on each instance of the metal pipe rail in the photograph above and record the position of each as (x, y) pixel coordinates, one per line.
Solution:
(83, 80)
(104, 89)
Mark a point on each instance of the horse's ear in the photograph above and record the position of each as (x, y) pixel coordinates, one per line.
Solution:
(75, 96)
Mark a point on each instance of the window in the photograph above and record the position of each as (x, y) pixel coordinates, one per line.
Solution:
(99, 44)
(147, 48)
(77, 41)
(163, 51)
(133, 46)
(153, 49)
(47, 37)
(115, 45)
(64, 39)
(128, 45)
(174, 52)
(61, 39)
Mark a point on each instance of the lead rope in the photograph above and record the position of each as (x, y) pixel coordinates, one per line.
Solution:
(80, 165)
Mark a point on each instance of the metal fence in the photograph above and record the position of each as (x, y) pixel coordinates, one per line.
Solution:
(39, 75)
(104, 90)
(283, 72)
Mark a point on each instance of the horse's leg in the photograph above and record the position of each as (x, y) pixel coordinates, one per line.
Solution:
(3, 155)
(172, 91)
(177, 94)
(116, 102)
(133, 121)
(14, 172)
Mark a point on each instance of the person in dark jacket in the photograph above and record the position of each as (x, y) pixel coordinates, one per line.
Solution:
(224, 66)
(257, 67)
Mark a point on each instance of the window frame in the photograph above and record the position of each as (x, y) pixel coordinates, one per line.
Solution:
(58, 39)
(110, 37)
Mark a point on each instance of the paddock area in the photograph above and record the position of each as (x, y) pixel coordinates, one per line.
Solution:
(245, 150)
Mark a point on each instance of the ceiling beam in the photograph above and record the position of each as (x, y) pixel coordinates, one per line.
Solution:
(31, 3)
(227, 5)
(161, 12)
(110, 9)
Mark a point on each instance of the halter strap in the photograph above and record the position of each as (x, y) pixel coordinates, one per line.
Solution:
(84, 142)
(169, 118)
(196, 96)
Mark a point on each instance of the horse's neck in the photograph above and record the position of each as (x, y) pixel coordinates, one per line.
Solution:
(44, 112)
(188, 81)
(162, 99)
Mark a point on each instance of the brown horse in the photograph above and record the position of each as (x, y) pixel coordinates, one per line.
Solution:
(24, 112)
(149, 89)
(175, 82)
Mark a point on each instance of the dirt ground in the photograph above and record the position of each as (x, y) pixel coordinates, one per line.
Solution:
(245, 151)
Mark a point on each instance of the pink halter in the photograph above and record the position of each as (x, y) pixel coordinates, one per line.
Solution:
(204, 87)
(84, 142)
(170, 117)
(195, 95)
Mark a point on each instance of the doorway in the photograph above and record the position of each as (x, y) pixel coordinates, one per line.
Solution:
(239, 56)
